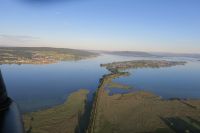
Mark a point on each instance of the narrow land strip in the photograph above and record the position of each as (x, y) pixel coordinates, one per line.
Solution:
(60, 119)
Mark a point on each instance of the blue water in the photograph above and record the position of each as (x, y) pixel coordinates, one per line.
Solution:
(35, 87)
(39, 86)
(172, 82)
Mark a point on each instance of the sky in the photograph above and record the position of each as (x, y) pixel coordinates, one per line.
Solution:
(130, 25)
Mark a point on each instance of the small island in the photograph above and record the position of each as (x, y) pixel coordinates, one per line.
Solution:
(41, 55)
(117, 66)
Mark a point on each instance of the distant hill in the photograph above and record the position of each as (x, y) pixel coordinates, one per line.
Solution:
(190, 55)
(131, 53)
(41, 55)
(25, 50)
(151, 54)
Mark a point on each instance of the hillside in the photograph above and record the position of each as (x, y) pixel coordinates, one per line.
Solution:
(40, 55)
(151, 54)
(131, 53)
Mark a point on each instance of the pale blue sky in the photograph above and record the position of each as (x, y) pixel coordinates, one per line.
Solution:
(139, 25)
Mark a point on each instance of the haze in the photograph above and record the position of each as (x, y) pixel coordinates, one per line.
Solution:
(135, 25)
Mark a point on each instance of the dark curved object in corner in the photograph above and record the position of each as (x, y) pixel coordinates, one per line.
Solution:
(10, 118)
(4, 100)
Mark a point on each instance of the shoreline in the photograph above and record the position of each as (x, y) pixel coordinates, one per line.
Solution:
(69, 112)
(101, 93)
(43, 55)
(32, 62)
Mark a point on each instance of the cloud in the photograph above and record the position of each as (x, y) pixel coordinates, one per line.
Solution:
(20, 40)
(17, 37)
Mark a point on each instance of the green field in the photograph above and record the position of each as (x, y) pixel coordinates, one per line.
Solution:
(60, 119)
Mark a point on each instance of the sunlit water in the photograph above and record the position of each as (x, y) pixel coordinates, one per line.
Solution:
(35, 87)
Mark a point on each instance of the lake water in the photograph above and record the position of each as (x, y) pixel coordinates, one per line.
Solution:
(35, 87)
(171, 82)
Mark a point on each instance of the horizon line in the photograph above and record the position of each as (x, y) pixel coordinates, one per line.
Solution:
(166, 52)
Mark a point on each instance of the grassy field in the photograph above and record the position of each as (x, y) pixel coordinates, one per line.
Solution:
(61, 119)
(143, 112)
(118, 86)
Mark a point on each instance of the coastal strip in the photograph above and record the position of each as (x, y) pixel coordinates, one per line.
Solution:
(63, 118)
(106, 79)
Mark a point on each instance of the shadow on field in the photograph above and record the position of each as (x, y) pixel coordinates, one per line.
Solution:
(186, 125)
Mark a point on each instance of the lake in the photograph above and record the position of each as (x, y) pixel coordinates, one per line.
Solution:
(171, 82)
(36, 87)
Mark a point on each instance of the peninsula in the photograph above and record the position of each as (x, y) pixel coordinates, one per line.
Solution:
(132, 112)
(140, 111)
